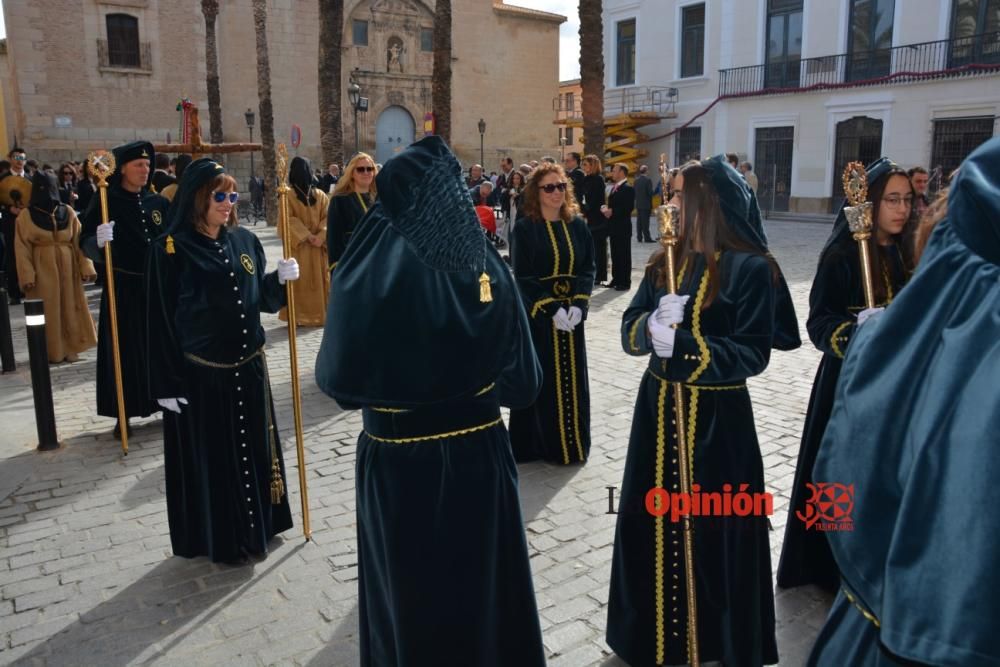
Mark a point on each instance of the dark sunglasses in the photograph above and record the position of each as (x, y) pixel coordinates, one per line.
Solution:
(20, 158)
(220, 197)
(68, 173)
(552, 187)
(364, 170)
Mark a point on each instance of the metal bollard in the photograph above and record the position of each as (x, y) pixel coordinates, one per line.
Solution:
(6, 341)
(41, 382)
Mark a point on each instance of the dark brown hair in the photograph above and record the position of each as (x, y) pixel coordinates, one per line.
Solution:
(903, 240)
(203, 199)
(703, 231)
(532, 206)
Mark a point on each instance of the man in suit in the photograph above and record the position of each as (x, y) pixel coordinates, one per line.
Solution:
(618, 211)
(643, 205)
(162, 177)
(571, 164)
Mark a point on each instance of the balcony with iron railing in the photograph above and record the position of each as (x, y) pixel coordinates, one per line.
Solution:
(655, 100)
(115, 56)
(948, 58)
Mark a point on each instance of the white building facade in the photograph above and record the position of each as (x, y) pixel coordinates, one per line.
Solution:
(801, 87)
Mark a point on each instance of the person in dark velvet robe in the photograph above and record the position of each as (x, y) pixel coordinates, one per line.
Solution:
(554, 267)
(836, 310)
(222, 454)
(426, 333)
(591, 198)
(914, 429)
(352, 197)
(138, 215)
(727, 323)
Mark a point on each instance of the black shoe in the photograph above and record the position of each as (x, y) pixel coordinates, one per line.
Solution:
(118, 430)
(622, 288)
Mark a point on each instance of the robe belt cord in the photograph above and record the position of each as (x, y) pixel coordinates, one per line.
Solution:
(277, 483)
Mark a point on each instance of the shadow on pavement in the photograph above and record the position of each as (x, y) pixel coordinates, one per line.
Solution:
(162, 606)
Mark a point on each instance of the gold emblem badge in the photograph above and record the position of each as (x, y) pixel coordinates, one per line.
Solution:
(247, 263)
(157, 218)
(561, 288)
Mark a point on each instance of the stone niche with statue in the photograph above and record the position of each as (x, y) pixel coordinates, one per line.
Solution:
(389, 54)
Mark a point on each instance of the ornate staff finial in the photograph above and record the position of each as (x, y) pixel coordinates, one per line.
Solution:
(101, 164)
(859, 221)
(281, 160)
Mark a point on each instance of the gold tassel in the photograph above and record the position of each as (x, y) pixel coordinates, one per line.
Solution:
(170, 245)
(485, 293)
(277, 484)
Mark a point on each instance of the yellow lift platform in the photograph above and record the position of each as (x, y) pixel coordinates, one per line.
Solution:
(625, 112)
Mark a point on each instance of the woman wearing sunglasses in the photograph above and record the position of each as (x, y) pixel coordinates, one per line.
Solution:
(708, 338)
(353, 195)
(67, 184)
(307, 210)
(836, 310)
(554, 268)
(222, 457)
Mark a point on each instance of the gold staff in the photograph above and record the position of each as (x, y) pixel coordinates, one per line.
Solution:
(283, 190)
(859, 219)
(667, 217)
(102, 165)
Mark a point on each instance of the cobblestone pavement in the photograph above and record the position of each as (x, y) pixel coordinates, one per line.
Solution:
(87, 578)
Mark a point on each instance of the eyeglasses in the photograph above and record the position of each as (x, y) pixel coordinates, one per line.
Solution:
(220, 197)
(20, 158)
(895, 200)
(552, 187)
(364, 170)
(68, 173)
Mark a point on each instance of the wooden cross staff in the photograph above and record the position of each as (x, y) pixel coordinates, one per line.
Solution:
(197, 148)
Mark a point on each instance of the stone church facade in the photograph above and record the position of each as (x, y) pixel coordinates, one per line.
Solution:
(70, 86)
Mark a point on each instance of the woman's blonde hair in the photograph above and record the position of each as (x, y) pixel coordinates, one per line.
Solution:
(532, 204)
(346, 182)
(593, 162)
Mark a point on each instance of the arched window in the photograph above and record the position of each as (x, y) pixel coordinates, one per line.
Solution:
(123, 40)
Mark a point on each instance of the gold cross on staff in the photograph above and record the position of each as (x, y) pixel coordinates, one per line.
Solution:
(197, 148)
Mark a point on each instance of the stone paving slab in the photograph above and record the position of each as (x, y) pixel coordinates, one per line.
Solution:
(86, 574)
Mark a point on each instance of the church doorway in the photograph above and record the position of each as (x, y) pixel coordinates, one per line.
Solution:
(394, 131)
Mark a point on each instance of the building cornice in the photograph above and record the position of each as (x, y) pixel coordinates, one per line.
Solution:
(524, 13)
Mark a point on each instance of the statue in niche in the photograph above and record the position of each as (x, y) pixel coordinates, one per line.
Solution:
(394, 55)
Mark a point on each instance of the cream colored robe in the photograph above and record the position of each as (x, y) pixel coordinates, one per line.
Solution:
(55, 264)
(312, 288)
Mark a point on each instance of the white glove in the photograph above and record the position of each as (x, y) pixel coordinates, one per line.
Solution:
(662, 336)
(105, 233)
(868, 313)
(172, 404)
(288, 269)
(575, 316)
(561, 318)
(671, 309)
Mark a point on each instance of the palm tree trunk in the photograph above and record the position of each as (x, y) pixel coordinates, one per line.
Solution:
(592, 76)
(210, 9)
(441, 77)
(266, 110)
(331, 37)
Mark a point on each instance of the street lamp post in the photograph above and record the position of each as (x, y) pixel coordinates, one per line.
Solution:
(249, 115)
(354, 95)
(482, 132)
(562, 147)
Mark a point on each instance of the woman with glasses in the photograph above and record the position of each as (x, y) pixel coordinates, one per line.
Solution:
(836, 310)
(353, 195)
(67, 184)
(51, 267)
(554, 268)
(707, 339)
(225, 478)
(307, 211)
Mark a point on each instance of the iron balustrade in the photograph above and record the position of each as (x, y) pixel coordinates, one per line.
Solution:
(948, 58)
(659, 100)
